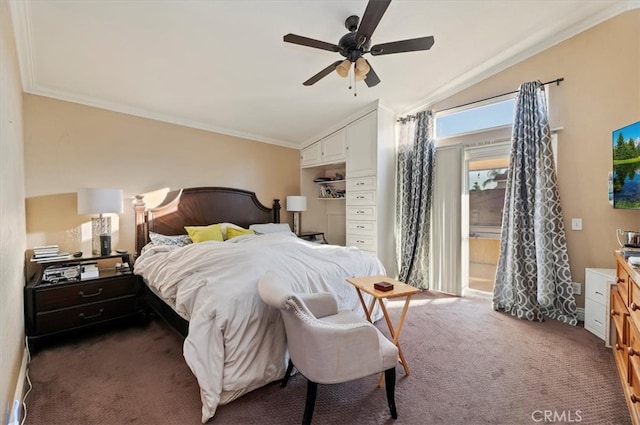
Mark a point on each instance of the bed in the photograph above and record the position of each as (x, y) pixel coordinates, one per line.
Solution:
(234, 343)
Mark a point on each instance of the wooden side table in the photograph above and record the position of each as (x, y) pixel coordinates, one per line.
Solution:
(400, 289)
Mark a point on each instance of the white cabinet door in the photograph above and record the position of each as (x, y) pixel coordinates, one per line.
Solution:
(334, 147)
(310, 156)
(362, 146)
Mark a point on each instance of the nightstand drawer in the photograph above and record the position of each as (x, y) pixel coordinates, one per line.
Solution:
(72, 294)
(83, 315)
(595, 321)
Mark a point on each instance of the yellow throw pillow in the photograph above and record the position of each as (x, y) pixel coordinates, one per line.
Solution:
(233, 232)
(205, 233)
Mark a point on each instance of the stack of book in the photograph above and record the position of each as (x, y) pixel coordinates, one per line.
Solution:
(48, 253)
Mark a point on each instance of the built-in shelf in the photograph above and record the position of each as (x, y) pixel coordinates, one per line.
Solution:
(332, 199)
(331, 181)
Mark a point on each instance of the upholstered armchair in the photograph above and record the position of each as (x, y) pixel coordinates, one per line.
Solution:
(328, 346)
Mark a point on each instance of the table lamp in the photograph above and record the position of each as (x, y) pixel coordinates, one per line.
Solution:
(100, 201)
(296, 204)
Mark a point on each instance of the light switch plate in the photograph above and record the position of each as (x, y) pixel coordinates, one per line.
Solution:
(576, 224)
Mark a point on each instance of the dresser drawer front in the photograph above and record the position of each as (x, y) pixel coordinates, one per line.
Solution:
(597, 288)
(365, 243)
(595, 318)
(361, 213)
(361, 183)
(366, 197)
(365, 228)
(83, 315)
(67, 295)
(618, 315)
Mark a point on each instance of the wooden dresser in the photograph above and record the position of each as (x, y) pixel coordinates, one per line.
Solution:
(625, 332)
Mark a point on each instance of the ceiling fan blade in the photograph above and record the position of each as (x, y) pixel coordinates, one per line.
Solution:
(328, 70)
(372, 15)
(415, 44)
(372, 78)
(310, 42)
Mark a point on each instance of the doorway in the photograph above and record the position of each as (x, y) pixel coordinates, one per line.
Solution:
(485, 185)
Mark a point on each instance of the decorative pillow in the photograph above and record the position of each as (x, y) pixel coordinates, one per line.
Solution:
(212, 232)
(177, 241)
(265, 228)
(232, 232)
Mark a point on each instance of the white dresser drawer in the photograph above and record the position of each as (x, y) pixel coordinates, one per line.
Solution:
(361, 213)
(366, 228)
(361, 183)
(366, 243)
(597, 284)
(595, 317)
(365, 197)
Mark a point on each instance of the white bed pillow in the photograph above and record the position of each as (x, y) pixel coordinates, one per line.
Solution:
(262, 229)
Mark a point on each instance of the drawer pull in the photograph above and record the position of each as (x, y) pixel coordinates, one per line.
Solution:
(359, 227)
(360, 184)
(618, 347)
(632, 352)
(634, 398)
(359, 212)
(95, 294)
(93, 316)
(619, 280)
(615, 313)
(359, 241)
(359, 197)
(597, 321)
(599, 293)
(634, 306)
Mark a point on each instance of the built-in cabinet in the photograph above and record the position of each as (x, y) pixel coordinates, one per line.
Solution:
(368, 207)
(331, 149)
(624, 333)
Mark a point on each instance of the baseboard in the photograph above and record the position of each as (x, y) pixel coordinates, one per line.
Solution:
(15, 410)
(581, 314)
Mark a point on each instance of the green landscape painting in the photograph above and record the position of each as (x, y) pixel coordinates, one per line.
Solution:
(626, 166)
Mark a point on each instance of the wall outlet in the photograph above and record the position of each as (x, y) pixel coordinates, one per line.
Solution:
(576, 224)
(577, 288)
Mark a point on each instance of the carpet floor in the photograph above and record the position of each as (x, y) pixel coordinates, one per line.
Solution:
(469, 365)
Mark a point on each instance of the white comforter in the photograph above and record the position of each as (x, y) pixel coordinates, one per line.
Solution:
(236, 343)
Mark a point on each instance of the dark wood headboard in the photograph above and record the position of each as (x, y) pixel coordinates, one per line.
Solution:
(201, 206)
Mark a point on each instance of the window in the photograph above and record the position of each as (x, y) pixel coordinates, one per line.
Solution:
(478, 118)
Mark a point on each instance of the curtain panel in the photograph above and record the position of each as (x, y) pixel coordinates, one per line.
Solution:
(416, 158)
(533, 278)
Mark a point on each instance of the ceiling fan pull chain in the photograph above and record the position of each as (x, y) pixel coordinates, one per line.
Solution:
(349, 76)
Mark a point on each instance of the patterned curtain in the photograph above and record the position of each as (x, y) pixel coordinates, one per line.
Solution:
(416, 158)
(533, 278)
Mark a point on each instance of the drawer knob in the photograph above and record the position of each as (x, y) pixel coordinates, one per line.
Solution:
(360, 184)
(618, 347)
(615, 313)
(93, 316)
(634, 306)
(632, 352)
(95, 294)
(359, 212)
(359, 227)
(619, 280)
(634, 398)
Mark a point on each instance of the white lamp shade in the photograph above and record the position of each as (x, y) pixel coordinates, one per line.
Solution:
(99, 201)
(296, 203)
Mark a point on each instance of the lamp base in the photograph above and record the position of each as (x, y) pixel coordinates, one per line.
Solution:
(100, 226)
(296, 223)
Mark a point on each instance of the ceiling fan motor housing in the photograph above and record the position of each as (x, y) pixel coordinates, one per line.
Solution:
(349, 47)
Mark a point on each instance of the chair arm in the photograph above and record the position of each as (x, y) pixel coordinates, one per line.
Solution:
(320, 304)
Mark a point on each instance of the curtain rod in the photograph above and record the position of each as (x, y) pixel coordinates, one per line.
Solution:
(557, 81)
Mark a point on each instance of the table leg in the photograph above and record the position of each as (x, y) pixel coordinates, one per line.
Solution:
(395, 332)
(364, 305)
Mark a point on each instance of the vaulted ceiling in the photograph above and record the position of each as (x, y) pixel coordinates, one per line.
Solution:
(223, 66)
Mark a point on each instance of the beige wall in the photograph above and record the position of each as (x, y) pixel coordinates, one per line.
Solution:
(12, 222)
(68, 146)
(600, 93)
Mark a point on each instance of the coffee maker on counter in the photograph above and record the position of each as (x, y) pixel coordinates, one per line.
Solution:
(629, 241)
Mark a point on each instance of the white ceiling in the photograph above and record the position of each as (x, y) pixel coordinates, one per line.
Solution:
(222, 65)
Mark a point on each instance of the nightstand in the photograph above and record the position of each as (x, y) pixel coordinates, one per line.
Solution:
(61, 305)
(317, 237)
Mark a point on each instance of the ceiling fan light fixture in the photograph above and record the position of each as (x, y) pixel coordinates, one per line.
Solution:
(343, 68)
(362, 66)
(359, 74)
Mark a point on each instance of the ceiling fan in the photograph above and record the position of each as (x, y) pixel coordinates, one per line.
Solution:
(357, 42)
